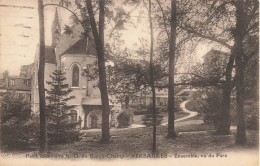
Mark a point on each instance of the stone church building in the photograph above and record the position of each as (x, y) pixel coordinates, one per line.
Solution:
(76, 56)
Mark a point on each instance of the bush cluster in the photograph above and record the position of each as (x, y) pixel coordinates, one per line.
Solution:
(124, 119)
(212, 107)
(63, 137)
(252, 116)
(19, 136)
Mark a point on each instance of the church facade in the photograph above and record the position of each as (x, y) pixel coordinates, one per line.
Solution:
(76, 57)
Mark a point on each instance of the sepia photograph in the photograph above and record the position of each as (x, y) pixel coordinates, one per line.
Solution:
(129, 82)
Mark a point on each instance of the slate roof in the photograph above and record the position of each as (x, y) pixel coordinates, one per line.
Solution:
(27, 70)
(91, 49)
(75, 42)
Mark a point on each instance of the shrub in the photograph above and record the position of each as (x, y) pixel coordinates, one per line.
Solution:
(252, 117)
(183, 98)
(148, 118)
(211, 107)
(68, 134)
(32, 130)
(64, 137)
(11, 136)
(124, 119)
(197, 105)
(18, 126)
(140, 112)
(160, 109)
(17, 136)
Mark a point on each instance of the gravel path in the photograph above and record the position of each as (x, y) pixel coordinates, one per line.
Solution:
(191, 113)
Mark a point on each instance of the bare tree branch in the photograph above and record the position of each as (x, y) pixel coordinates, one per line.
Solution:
(164, 19)
(212, 38)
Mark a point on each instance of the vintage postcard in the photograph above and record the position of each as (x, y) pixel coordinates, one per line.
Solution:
(129, 82)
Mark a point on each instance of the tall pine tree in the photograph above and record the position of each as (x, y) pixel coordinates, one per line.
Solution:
(57, 107)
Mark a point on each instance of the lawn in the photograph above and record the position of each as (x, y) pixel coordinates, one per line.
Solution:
(137, 119)
(128, 142)
(136, 143)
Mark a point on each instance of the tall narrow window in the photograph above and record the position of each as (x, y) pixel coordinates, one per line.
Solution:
(75, 76)
(73, 116)
(12, 82)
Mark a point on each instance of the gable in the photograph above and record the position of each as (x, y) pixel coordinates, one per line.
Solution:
(74, 42)
(78, 48)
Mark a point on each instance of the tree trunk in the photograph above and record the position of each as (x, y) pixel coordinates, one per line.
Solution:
(239, 61)
(223, 127)
(99, 42)
(171, 131)
(241, 127)
(43, 119)
(152, 78)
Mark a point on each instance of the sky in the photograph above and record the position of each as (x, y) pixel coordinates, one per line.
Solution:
(19, 33)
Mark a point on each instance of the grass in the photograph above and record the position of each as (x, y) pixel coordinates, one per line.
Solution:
(192, 138)
(251, 108)
(137, 119)
(138, 141)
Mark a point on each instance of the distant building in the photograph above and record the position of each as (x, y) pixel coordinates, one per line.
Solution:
(18, 85)
(215, 56)
(215, 62)
(144, 99)
(185, 93)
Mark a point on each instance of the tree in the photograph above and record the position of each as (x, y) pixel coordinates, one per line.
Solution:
(131, 77)
(214, 18)
(14, 108)
(243, 21)
(58, 109)
(171, 131)
(252, 79)
(5, 74)
(216, 65)
(227, 17)
(152, 75)
(87, 18)
(161, 56)
(43, 120)
(99, 42)
(172, 49)
(15, 111)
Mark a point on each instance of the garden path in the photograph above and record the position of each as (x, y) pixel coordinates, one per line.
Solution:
(191, 114)
(182, 106)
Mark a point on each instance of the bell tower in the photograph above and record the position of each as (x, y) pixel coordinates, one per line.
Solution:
(56, 29)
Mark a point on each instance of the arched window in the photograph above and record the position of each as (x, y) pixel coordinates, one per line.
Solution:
(75, 76)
